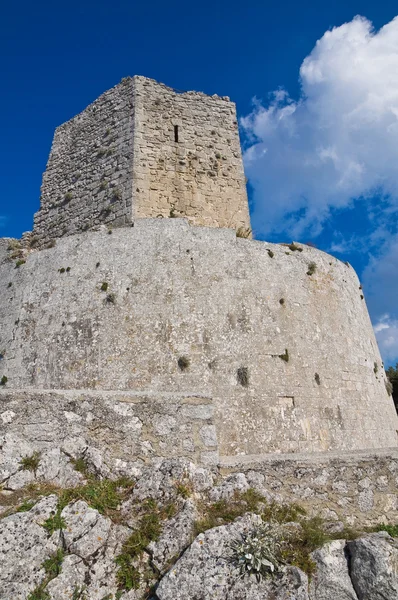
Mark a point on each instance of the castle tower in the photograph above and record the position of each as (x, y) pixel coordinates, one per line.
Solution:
(144, 150)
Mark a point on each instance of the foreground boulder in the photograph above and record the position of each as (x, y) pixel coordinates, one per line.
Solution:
(205, 571)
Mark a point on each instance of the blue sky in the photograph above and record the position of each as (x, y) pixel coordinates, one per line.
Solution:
(320, 139)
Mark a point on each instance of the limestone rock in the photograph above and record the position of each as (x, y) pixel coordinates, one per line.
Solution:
(332, 579)
(206, 572)
(374, 566)
(159, 481)
(176, 536)
(24, 545)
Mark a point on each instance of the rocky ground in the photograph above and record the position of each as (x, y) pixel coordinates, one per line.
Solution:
(175, 532)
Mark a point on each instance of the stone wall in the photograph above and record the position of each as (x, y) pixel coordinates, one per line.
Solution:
(118, 160)
(165, 307)
(359, 488)
(120, 432)
(187, 158)
(88, 179)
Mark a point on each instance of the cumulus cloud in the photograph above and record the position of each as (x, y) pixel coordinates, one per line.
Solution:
(337, 142)
(386, 330)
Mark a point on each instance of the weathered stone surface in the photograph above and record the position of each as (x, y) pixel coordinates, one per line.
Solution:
(178, 291)
(160, 482)
(119, 160)
(54, 466)
(205, 571)
(315, 482)
(332, 580)
(24, 545)
(176, 536)
(374, 566)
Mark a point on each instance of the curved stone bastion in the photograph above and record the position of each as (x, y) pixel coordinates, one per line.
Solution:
(236, 346)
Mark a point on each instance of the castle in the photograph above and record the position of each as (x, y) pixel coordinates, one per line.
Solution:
(139, 320)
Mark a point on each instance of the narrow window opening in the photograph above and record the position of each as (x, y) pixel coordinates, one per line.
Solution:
(176, 133)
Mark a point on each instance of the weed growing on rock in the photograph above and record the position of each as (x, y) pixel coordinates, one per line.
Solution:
(3, 380)
(244, 232)
(284, 356)
(79, 593)
(104, 286)
(294, 247)
(25, 506)
(375, 368)
(270, 253)
(54, 523)
(19, 263)
(317, 379)
(39, 593)
(111, 298)
(311, 268)
(184, 489)
(30, 463)
(150, 527)
(391, 529)
(104, 495)
(52, 565)
(257, 552)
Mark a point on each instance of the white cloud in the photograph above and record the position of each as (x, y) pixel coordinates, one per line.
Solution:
(338, 142)
(386, 330)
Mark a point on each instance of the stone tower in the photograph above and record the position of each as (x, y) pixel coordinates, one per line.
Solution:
(144, 150)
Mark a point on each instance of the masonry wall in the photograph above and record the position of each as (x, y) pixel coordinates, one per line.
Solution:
(88, 179)
(118, 161)
(198, 311)
(187, 159)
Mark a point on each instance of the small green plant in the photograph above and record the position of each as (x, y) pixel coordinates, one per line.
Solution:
(116, 194)
(294, 247)
(67, 269)
(375, 368)
(111, 298)
(317, 379)
(3, 380)
(52, 565)
(148, 530)
(242, 376)
(80, 465)
(101, 152)
(104, 495)
(51, 244)
(61, 270)
(244, 232)
(68, 196)
(183, 489)
(104, 286)
(311, 268)
(103, 185)
(257, 552)
(391, 529)
(26, 506)
(270, 253)
(14, 245)
(110, 231)
(30, 463)
(39, 593)
(54, 523)
(183, 363)
(79, 593)
(285, 355)
(19, 263)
